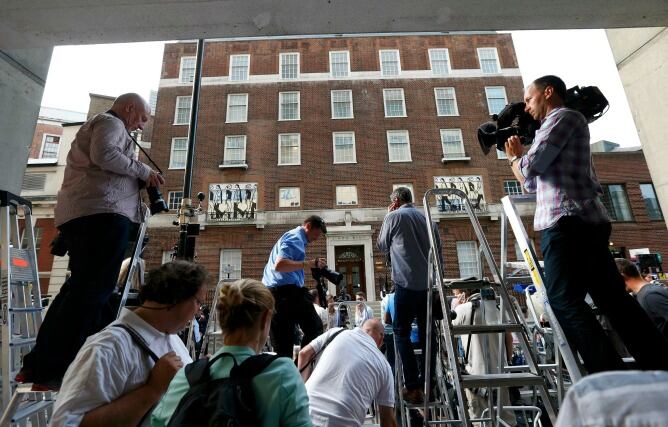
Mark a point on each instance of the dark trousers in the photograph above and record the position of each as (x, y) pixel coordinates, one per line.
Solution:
(96, 245)
(409, 305)
(577, 262)
(293, 307)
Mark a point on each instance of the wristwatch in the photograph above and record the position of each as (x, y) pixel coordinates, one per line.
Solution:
(513, 160)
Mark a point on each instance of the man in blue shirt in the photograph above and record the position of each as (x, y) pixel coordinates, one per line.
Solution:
(284, 276)
(405, 236)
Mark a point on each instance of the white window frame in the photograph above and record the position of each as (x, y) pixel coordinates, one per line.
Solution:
(230, 74)
(454, 99)
(227, 113)
(171, 153)
(290, 188)
(334, 135)
(450, 156)
(170, 198)
(280, 106)
(299, 144)
(505, 98)
(236, 274)
(331, 71)
(380, 59)
(280, 65)
(496, 58)
(176, 110)
(474, 259)
(403, 101)
(182, 78)
(357, 196)
(519, 185)
(166, 257)
(41, 149)
(501, 155)
(225, 159)
(331, 101)
(431, 64)
(408, 144)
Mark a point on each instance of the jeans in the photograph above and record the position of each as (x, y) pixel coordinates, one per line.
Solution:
(408, 305)
(292, 308)
(577, 262)
(96, 246)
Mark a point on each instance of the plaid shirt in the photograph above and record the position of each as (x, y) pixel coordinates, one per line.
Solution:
(558, 168)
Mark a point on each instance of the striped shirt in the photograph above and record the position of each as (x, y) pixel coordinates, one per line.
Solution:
(559, 169)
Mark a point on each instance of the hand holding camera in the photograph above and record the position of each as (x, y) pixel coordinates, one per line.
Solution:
(154, 179)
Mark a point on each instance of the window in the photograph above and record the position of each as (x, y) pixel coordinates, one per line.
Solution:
(346, 194)
(453, 144)
(237, 107)
(501, 155)
(289, 149)
(489, 60)
(342, 104)
(407, 185)
(230, 264)
(167, 256)
(187, 70)
(339, 64)
(446, 101)
(616, 202)
(50, 146)
(467, 255)
(289, 197)
(235, 151)
(651, 202)
(174, 200)
(289, 64)
(288, 106)
(496, 98)
(177, 157)
(512, 187)
(440, 62)
(344, 147)
(389, 63)
(398, 146)
(239, 65)
(394, 103)
(182, 113)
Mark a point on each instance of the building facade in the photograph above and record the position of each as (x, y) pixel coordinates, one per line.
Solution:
(290, 127)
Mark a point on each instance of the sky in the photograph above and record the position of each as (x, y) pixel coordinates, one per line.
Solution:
(579, 57)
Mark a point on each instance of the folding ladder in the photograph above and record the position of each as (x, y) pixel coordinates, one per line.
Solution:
(447, 331)
(21, 313)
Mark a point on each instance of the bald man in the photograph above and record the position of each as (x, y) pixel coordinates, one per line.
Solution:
(96, 207)
(349, 375)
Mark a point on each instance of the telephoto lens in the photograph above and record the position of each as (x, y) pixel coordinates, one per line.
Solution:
(156, 201)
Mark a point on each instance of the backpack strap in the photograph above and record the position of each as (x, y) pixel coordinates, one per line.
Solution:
(198, 371)
(318, 353)
(139, 340)
(252, 366)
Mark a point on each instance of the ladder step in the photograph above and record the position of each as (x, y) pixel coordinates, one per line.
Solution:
(486, 329)
(467, 284)
(25, 309)
(520, 265)
(501, 380)
(433, 405)
(21, 342)
(31, 408)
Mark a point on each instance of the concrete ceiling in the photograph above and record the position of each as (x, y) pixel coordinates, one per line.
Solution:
(44, 23)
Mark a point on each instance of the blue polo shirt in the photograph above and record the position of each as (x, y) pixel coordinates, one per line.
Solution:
(292, 246)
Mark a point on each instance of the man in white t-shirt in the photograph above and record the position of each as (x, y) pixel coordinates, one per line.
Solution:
(362, 311)
(342, 389)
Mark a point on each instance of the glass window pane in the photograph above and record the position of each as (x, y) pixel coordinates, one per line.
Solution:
(289, 106)
(394, 102)
(237, 108)
(389, 62)
(488, 60)
(439, 61)
(346, 195)
(342, 106)
(398, 146)
(344, 148)
(288, 197)
(187, 73)
(182, 110)
(175, 198)
(289, 65)
(339, 64)
(230, 264)
(451, 140)
(651, 202)
(467, 255)
(239, 65)
(289, 150)
(178, 155)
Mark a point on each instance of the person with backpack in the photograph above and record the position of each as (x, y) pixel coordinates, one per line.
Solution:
(121, 372)
(237, 386)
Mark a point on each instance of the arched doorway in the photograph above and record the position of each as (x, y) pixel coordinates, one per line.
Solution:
(350, 263)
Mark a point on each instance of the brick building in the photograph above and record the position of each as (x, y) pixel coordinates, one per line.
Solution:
(291, 126)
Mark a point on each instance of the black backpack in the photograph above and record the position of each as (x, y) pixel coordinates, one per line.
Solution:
(224, 402)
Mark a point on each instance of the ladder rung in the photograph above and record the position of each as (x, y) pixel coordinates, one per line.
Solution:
(501, 380)
(467, 284)
(24, 309)
(432, 405)
(520, 265)
(20, 342)
(30, 408)
(486, 329)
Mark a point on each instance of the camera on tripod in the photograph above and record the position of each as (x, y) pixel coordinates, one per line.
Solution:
(513, 120)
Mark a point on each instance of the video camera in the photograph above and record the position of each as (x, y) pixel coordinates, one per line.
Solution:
(513, 120)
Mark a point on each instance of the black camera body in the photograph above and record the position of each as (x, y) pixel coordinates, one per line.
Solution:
(157, 202)
(333, 276)
(513, 120)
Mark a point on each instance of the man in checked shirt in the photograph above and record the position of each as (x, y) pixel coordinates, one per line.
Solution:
(575, 228)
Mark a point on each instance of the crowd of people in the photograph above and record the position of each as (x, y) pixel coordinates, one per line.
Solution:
(136, 370)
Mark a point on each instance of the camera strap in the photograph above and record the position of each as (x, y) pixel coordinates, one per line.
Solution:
(113, 113)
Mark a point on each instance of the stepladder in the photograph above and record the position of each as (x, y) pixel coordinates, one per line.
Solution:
(488, 383)
(21, 312)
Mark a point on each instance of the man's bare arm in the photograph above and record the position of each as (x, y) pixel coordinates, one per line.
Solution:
(387, 418)
(305, 355)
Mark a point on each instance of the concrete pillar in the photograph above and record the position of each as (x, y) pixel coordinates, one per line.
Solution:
(22, 76)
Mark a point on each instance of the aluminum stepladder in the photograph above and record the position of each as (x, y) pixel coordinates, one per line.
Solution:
(21, 314)
(533, 378)
(563, 351)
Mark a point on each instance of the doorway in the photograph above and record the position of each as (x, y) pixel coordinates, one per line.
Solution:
(350, 263)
